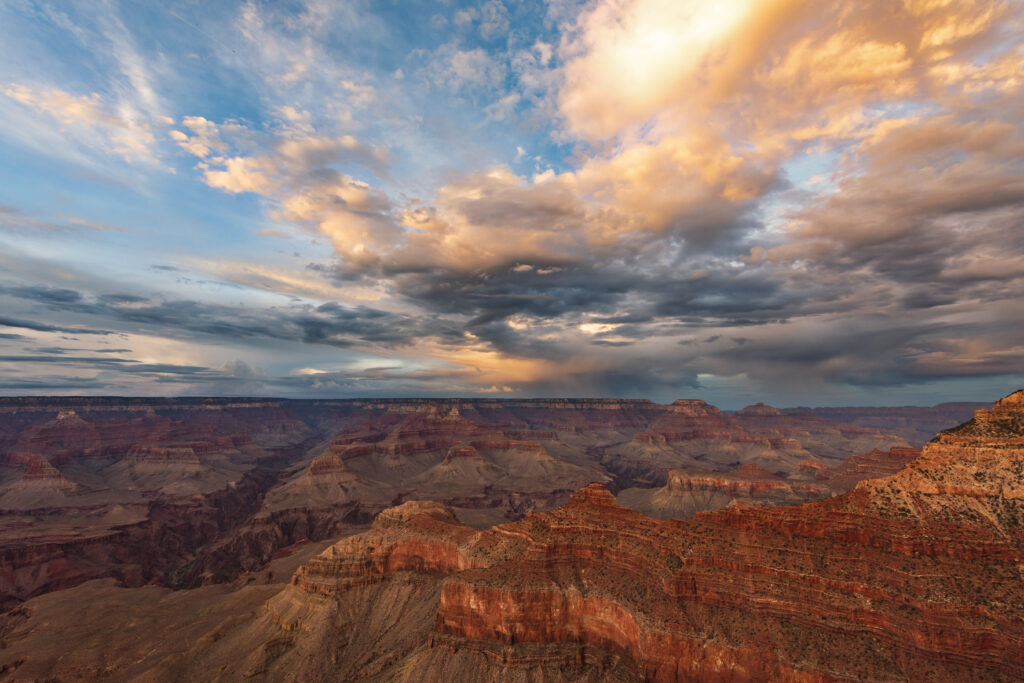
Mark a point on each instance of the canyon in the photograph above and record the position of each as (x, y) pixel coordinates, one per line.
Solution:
(912, 576)
(187, 492)
(483, 538)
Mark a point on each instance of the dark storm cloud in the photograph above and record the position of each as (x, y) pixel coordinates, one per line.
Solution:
(121, 298)
(499, 292)
(94, 361)
(599, 289)
(46, 295)
(937, 205)
(159, 372)
(43, 327)
(166, 369)
(54, 385)
(604, 342)
(53, 350)
(637, 377)
(878, 353)
(826, 345)
(329, 324)
(927, 297)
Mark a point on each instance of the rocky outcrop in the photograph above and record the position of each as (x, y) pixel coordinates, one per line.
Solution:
(759, 410)
(421, 536)
(432, 451)
(116, 490)
(877, 463)
(688, 492)
(137, 544)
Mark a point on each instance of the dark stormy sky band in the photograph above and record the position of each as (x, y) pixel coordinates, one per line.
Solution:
(780, 201)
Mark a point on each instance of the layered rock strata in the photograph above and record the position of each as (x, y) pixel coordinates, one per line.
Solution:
(190, 491)
(915, 576)
(689, 492)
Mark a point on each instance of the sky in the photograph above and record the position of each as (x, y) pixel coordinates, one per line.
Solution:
(791, 201)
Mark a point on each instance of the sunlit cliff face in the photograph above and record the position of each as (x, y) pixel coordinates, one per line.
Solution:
(798, 201)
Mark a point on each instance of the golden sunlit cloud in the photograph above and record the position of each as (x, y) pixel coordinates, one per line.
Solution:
(632, 57)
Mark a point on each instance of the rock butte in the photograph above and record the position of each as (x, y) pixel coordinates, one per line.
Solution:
(914, 576)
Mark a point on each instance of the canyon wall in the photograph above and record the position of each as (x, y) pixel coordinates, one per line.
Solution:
(183, 492)
(912, 576)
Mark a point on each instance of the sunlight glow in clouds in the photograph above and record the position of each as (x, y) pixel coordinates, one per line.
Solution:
(633, 56)
(774, 199)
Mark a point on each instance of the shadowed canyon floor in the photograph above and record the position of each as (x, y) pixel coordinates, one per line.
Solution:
(916, 575)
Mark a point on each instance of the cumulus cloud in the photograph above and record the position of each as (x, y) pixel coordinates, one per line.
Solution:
(298, 167)
(203, 138)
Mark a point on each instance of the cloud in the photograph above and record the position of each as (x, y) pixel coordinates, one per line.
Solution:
(119, 115)
(14, 220)
(19, 323)
(457, 68)
(88, 121)
(298, 168)
(328, 323)
(288, 52)
(627, 60)
(205, 137)
(503, 108)
(573, 275)
(287, 62)
(841, 180)
(360, 94)
(62, 105)
(493, 20)
(466, 16)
